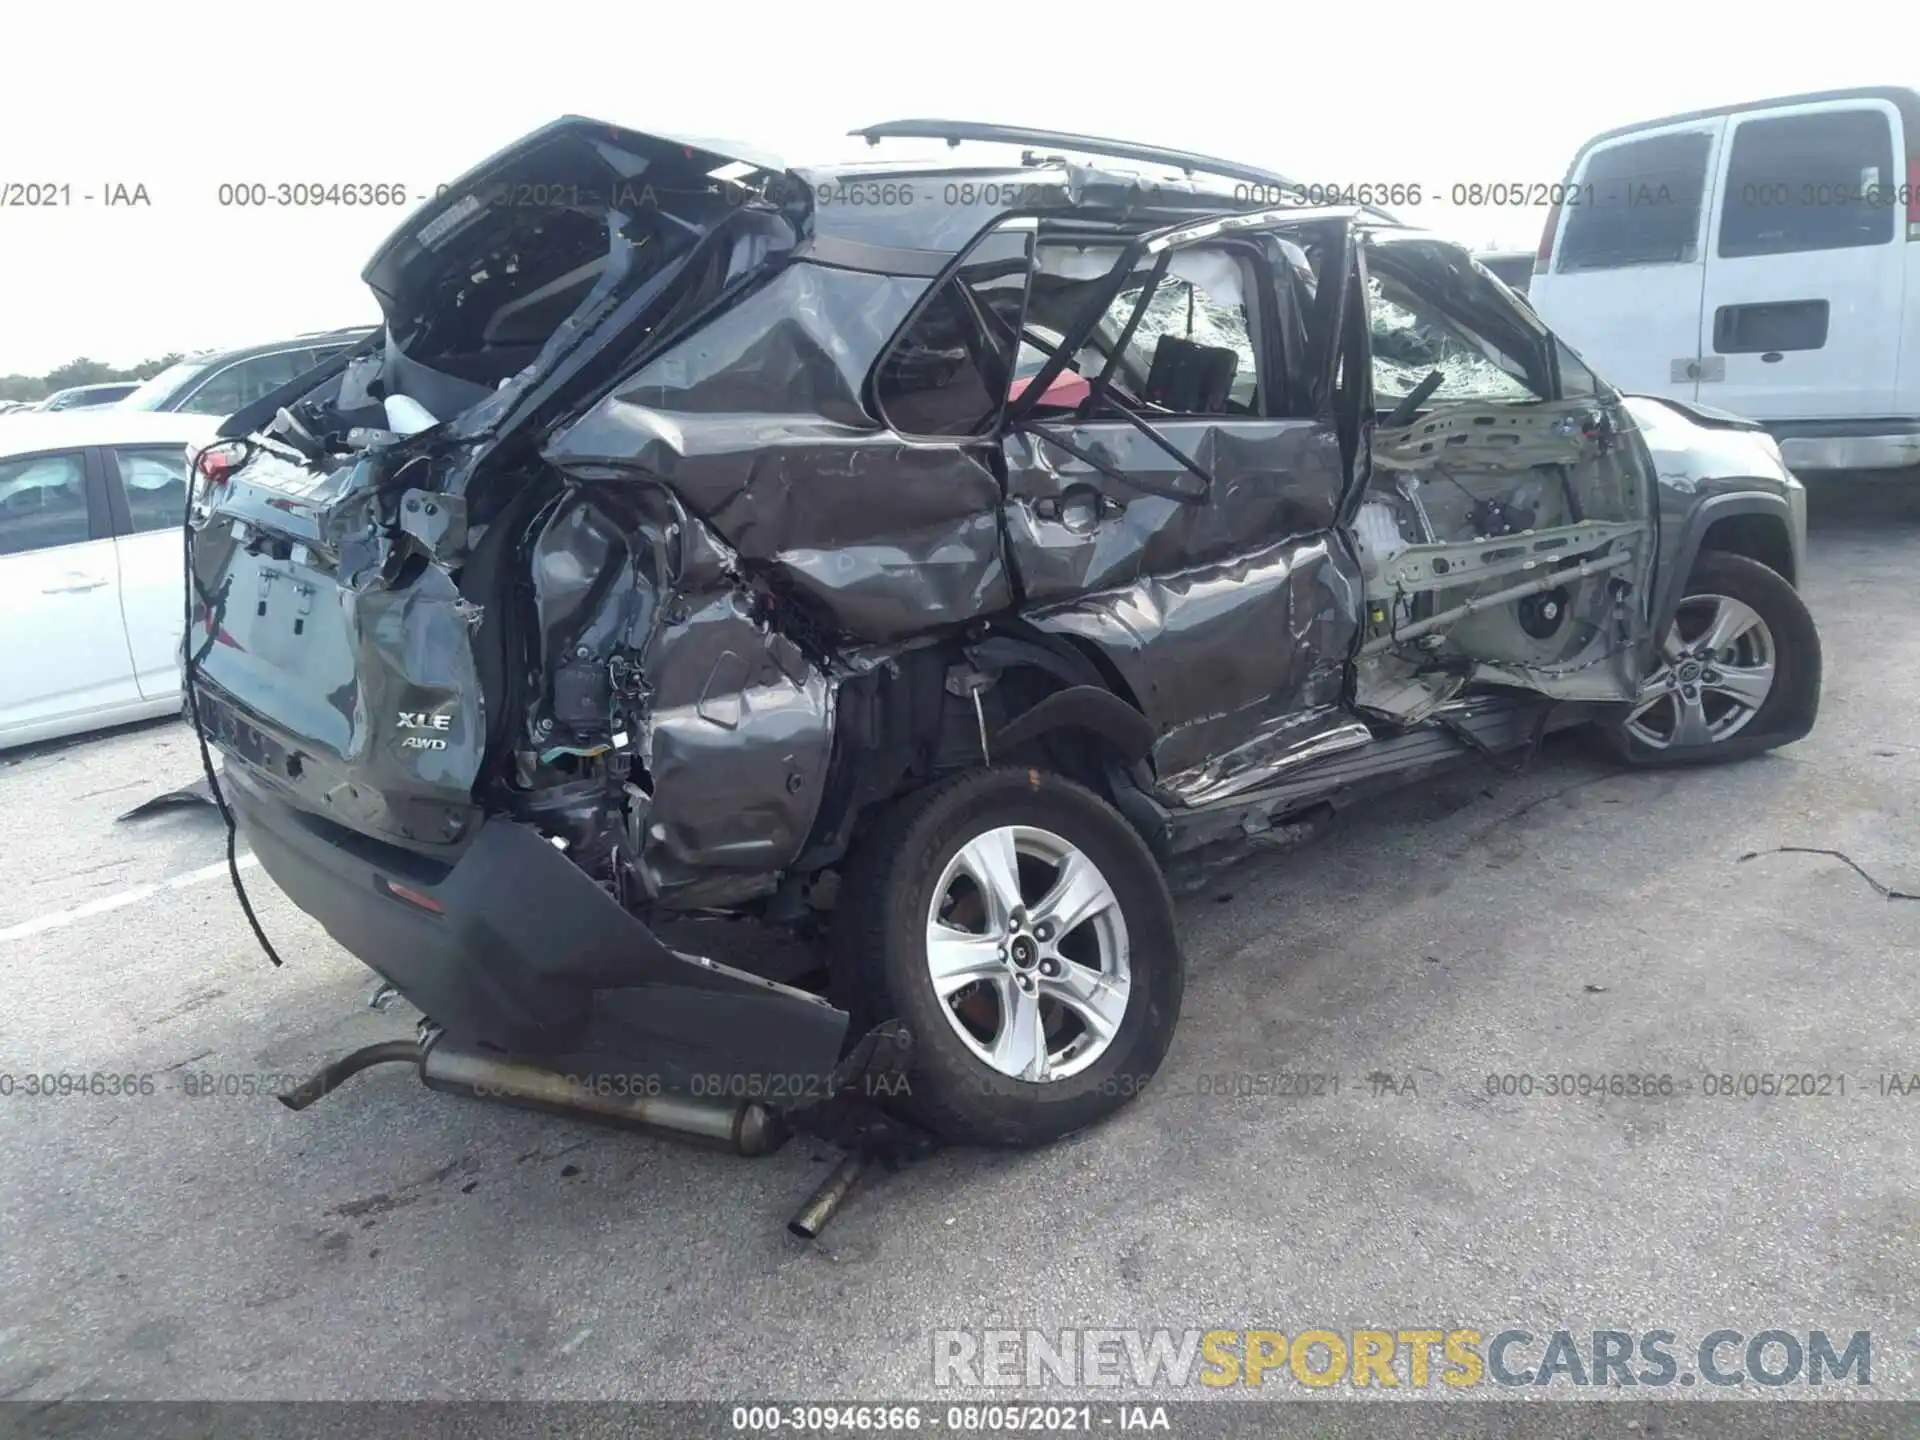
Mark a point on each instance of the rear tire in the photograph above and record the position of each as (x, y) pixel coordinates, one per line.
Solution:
(1043, 996)
(1709, 702)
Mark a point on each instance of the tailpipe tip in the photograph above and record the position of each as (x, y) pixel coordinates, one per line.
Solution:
(825, 1202)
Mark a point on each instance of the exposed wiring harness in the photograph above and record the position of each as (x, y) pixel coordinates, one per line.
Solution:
(190, 658)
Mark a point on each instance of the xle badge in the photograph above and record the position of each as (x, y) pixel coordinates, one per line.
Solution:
(421, 720)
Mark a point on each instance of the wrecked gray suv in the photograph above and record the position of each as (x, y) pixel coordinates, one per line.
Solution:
(924, 566)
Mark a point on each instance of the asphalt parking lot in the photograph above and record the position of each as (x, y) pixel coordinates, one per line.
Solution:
(394, 1242)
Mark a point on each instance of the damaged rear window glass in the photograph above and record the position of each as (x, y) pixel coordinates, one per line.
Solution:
(949, 371)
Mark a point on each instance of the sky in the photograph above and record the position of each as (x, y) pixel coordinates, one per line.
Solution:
(185, 97)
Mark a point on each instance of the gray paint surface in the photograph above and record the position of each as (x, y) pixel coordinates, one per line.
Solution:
(392, 1242)
(759, 426)
(1702, 473)
(741, 728)
(1217, 651)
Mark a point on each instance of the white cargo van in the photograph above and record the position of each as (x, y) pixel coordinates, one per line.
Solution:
(1760, 258)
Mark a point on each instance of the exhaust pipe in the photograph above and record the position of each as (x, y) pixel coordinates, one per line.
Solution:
(330, 1077)
(746, 1128)
(822, 1205)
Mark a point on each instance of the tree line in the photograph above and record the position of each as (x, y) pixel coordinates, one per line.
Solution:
(78, 372)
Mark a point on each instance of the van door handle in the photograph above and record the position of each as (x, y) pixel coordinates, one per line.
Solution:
(76, 584)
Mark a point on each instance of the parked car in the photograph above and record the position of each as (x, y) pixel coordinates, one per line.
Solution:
(221, 382)
(91, 604)
(87, 397)
(1514, 268)
(762, 597)
(1761, 258)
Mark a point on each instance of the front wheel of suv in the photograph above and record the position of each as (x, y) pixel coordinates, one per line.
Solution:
(1738, 672)
(1022, 930)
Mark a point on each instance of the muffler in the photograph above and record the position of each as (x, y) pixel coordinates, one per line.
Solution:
(744, 1128)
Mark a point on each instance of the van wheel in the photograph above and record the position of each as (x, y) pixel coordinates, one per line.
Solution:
(1022, 931)
(1739, 671)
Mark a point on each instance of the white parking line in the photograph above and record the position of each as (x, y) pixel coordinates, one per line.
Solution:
(120, 901)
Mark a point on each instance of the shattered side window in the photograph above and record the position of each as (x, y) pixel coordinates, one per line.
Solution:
(1191, 351)
(1209, 324)
(1411, 340)
(949, 370)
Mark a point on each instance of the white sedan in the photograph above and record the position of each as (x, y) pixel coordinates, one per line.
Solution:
(91, 575)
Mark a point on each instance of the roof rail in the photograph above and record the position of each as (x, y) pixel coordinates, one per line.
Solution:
(954, 131)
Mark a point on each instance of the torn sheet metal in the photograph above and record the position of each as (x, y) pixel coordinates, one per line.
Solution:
(1217, 652)
(1284, 743)
(758, 424)
(1071, 528)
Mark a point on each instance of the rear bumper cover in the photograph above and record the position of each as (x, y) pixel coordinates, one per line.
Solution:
(526, 955)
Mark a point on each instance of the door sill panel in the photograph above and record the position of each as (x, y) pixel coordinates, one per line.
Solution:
(1388, 761)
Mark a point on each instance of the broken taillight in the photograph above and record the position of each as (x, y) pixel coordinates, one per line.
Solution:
(219, 460)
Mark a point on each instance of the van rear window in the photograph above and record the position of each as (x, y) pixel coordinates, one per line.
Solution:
(1642, 204)
(1821, 181)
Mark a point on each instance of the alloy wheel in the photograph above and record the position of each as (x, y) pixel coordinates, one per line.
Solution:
(1027, 950)
(1717, 670)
